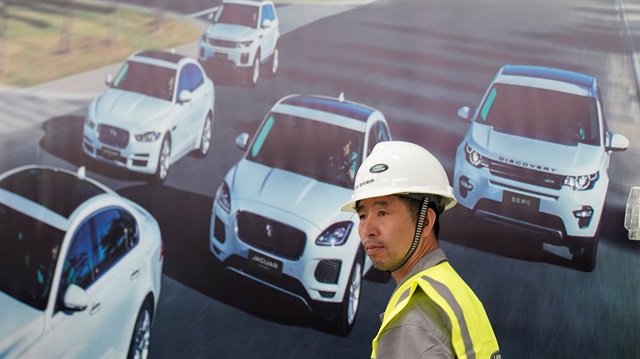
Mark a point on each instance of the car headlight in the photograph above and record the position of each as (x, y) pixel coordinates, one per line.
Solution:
(581, 183)
(148, 136)
(244, 43)
(223, 197)
(335, 235)
(89, 122)
(474, 158)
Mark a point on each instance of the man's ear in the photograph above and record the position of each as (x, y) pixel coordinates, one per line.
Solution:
(429, 222)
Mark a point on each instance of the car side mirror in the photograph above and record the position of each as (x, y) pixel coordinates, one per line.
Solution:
(464, 113)
(211, 16)
(185, 96)
(618, 142)
(108, 80)
(75, 298)
(242, 140)
(266, 23)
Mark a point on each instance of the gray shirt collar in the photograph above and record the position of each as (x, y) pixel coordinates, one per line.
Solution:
(429, 260)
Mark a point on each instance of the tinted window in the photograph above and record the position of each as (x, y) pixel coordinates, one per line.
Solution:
(28, 253)
(195, 76)
(542, 114)
(237, 14)
(78, 266)
(320, 155)
(183, 83)
(150, 80)
(115, 232)
(378, 133)
(269, 13)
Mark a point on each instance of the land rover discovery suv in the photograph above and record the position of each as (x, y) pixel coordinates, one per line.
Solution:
(243, 36)
(276, 217)
(536, 157)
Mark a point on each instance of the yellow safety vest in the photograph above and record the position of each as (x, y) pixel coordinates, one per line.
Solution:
(471, 332)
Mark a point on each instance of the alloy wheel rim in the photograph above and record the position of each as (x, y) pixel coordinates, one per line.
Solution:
(143, 336)
(354, 293)
(164, 159)
(206, 136)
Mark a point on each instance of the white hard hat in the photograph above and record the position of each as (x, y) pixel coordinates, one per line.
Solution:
(404, 168)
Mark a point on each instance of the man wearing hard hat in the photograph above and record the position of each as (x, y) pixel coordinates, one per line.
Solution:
(400, 191)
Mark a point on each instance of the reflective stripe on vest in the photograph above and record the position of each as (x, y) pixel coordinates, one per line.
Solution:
(471, 333)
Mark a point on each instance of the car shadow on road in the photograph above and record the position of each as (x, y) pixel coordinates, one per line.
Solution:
(461, 229)
(184, 219)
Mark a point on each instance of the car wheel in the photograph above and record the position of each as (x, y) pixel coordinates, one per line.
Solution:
(140, 339)
(273, 62)
(205, 137)
(254, 72)
(164, 161)
(351, 301)
(585, 252)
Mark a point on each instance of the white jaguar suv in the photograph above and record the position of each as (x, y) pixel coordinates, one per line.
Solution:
(276, 217)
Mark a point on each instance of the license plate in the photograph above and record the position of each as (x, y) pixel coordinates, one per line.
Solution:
(521, 201)
(221, 55)
(109, 153)
(265, 264)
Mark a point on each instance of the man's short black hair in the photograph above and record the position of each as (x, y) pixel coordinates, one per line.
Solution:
(413, 205)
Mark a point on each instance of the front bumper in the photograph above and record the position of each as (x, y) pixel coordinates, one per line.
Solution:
(553, 213)
(215, 56)
(304, 279)
(141, 157)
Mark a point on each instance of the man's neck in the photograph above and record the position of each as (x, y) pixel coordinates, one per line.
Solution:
(425, 247)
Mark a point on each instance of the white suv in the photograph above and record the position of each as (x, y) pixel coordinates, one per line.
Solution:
(536, 157)
(80, 268)
(276, 217)
(243, 36)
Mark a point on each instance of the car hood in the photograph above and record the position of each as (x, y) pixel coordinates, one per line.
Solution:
(316, 202)
(535, 154)
(21, 325)
(230, 32)
(129, 110)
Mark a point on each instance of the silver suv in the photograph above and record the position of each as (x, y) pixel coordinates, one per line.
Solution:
(243, 36)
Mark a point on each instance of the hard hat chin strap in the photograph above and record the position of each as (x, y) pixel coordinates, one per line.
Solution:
(424, 207)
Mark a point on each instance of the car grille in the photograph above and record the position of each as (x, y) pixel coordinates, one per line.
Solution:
(271, 236)
(328, 271)
(526, 175)
(221, 43)
(113, 136)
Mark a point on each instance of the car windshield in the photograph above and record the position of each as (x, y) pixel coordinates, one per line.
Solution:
(237, 14)
(541, 114)
(146, 79)
(315, 149)
(28, 254)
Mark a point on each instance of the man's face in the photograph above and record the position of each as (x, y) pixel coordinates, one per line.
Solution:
(386, 230)
(346, 149)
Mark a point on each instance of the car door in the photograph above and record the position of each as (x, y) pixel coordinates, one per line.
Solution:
(97, 262)
(117, 275)
(201, 95)
(78, 333)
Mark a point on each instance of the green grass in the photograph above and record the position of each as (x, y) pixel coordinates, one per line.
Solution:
(33, 41)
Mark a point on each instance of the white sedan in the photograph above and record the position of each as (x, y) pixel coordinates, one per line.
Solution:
(159, 108)
(80, 267)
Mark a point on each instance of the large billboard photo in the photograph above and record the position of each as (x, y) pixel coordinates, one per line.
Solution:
(173, 173)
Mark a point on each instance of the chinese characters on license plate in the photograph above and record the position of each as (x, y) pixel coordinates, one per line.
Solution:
(521, 201)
